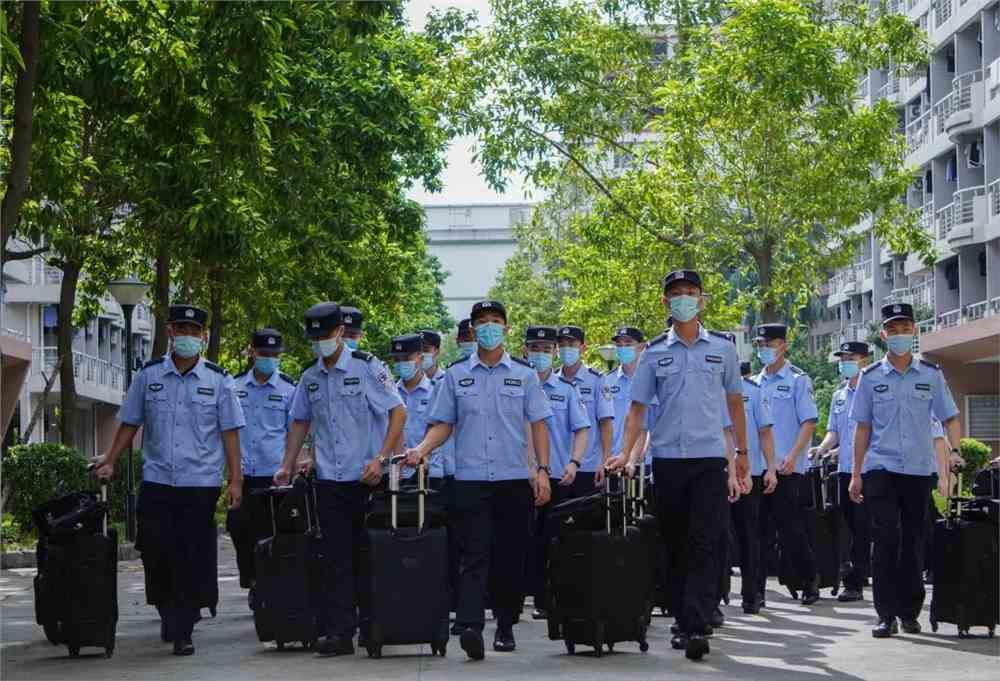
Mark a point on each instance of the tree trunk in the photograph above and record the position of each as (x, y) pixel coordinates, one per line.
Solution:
(161, 298)
(67, 379)
(216, 324)
(768, 306)
(20, 150)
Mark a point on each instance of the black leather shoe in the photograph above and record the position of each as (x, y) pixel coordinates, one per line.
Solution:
(675, 628)
(810, 597)
(472, 643)
(910, 626)
(717, 619)
(885, 629)
(183, 647)
(539, 614)
(503, 640)
(679, 641)
(166, 631)
(332, 646)
(850, 596)
(697, 648)
(752, 606)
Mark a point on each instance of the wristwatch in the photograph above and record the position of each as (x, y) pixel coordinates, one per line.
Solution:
(740, 451)
(956, 450)
(544, 468)
(383, 459)
(574, 461)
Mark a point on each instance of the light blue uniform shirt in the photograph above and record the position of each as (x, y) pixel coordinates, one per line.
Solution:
(789, 393)
(267, 408)
(568, 416)
(342, 404)
(688, 382)
(447, 450)
(418, 405)
(490, 409)
(841, 423)
(618, 386)
(183, 418)
(900, 409)
(758, 414)
(599, 406)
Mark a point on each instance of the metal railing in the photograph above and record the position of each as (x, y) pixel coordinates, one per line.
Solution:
(86, 368)
(14, 333)
(865, 269)
(993, 189)
(926, 219)
(917, 132)
(965, 204)
(923, 293)
(925, 326)
(944, 219)
(975, 311)
(942, 12)
(862, 92)
(44, 274)
(995, 305)
(941, 111)
(961, 90)
(946, 320)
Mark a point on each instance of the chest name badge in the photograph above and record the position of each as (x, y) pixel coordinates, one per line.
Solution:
(714, 359)
(275, 398)
(615, 389)
(206, 391)
(840, 403)
(746, 398)
(784, 388)
(924, 386)
(352, 380)
(665, 361)
(466, 382)
(512, 381)
(881, 388)
(585, 391)
(313, 387)
(557, 398)
(242, 393)
(155, 387)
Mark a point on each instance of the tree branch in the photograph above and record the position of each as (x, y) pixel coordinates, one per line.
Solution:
(11, 256)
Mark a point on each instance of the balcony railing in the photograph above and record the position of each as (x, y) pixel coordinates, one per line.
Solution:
(975, 311)
(917, 132)
(949, 319)
(941, 111)
(995, 306)
(925, 326)
(865, 270)
(942, 12)
(863, 88)
(926, 219)
(965, 204)
(994, 192)
(14, 333)
(86, 368)
(43, 274)
(944, 220)
(961, 90)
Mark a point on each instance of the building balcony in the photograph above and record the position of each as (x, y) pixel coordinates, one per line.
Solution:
(970, 214)
(964, 120)
(95, 378)
(966, 334)
(917, 8)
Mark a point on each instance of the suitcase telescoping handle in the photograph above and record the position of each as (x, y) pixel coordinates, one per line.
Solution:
(955, 492)
(395, 464)
(618, 477)
(103, 493)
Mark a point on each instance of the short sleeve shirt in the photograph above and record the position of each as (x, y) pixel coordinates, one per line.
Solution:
(588, 383)
(267, 408)
(789, 393)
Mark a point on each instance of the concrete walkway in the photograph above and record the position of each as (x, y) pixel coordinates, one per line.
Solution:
(788, 641)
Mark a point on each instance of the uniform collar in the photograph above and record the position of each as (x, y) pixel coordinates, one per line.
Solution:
(553, 378)
(475, 361)
(171, 367)
(272, 380)
(425, 384)
(887, 367)
(620, 374)
(783, 372)
(672, 336)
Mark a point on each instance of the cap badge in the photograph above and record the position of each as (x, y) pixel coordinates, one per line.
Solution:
(189, 313)
(896, 309)
(315, 324)
(348, 319)
(270, 340)
(541, 334)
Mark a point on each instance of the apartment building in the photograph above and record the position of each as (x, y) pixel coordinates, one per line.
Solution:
(28, 332)
(949, 113)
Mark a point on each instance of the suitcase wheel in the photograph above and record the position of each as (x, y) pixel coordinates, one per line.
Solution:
(374, 652)
(643, 646)
(934, 626)
(992, 631)
(963, 633)
(281, 645)
(570, 647)
(74, 651)
(598, 651)
(611, 647)
(108, 652)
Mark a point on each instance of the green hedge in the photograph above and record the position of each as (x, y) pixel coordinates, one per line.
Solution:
(977, 456)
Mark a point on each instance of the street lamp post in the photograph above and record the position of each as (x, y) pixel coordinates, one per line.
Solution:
(129, 293)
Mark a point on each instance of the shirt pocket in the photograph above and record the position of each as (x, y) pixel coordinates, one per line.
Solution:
(467, 399)
(511, 399)
(273, 415)
(711, 375)
(353, 398)
(884, 407)
(206, 411)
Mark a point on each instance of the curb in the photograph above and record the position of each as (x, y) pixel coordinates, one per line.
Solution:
(26, 559)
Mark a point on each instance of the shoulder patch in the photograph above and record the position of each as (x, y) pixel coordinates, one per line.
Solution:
(286, 378)
(362, 355)
(870, 367)
(154, 362)
(457, 361)
(521, 361)
(216, 368)
(595, 372)
(795, 370)
(659, 339)
(932, 365)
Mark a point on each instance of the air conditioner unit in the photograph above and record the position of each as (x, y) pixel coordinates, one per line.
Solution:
(887, 273)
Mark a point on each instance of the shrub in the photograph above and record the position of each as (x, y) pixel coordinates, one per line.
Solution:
(977, 455)
(40, 472)
(118, 488)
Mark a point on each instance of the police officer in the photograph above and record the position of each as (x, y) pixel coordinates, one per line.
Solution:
(265, 395)
(597, 402)
(688, 369)
(789, 393)
(895, 401)
(763, 472)
(617, 384)
(353, 326)
(854, 356)
(466, 339)
(430, 350)
(191, 418)
(338, 397)
(568, 431)
(485, 403)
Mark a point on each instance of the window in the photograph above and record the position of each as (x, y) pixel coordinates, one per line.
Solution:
(982, 416)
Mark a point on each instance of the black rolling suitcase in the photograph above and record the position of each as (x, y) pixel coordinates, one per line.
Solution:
(407, 590)
(76, 588)
(599, 582)
(965, 567)
(639, 515)
(286, 594)
(822, 530)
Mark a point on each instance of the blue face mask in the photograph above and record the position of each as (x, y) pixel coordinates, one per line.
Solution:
(684, 308)
(626, 354)
(406, 370)
(489, 335)
(541, 361)
(900, 344)
(569, 356)
(848, 368)
(767, 356)
(351, 343)
(426, 360)
(328, 347)
(466, 349)
(187, 346)
(266, 365)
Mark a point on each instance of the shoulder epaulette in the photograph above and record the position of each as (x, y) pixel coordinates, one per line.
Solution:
(154, 362)
(750, 380)
(870, 367)
(932, 365)
(216, 368)
(362, 355)
(795, 370)
(521, 361)
(457, 361)
(595, 372)
(719, 334)
(566, 381)
(286, 378)
(659, 339)
(241, 375)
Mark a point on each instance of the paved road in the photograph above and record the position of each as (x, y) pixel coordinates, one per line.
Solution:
(789, 641)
